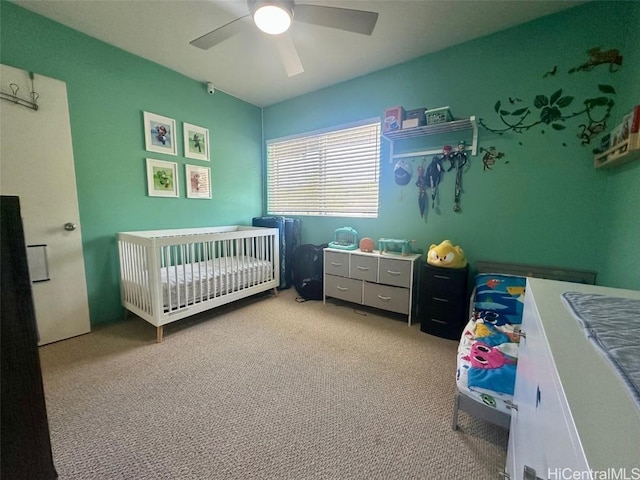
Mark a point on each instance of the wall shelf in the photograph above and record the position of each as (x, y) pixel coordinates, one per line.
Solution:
(428, 130)
(616, 156)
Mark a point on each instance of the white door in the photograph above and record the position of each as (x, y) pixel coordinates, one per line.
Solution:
(36, 158)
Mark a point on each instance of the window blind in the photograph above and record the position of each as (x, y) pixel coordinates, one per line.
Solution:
(333, 173)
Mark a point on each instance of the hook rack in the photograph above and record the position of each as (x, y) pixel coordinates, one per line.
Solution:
(14, 98)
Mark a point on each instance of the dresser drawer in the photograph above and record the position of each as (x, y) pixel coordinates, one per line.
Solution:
(394, 299)
(395, 272)
(455, 308)
(364, 268)
(336, 263)
(445, 279)
(348, 289)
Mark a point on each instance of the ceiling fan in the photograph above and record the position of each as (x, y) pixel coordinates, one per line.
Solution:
(275, 17)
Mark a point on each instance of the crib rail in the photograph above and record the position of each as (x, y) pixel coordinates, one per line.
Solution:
(170, 274)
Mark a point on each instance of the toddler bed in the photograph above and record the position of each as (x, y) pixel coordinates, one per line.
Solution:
(167, 275)
(488, 350)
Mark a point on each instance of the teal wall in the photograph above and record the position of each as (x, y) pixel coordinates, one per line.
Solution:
(547, 205)
(621, 243)
(543, 203)
(108, 89)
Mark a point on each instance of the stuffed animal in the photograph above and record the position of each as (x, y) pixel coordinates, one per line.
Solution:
(366, 245)
(446, 255)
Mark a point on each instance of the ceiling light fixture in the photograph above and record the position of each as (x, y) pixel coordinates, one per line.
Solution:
(272, 17)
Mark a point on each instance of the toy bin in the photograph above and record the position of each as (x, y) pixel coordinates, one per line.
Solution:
(438, 115)
(345, 238)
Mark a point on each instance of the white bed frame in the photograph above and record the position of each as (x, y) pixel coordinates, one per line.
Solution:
(167, 275)
(473, 406)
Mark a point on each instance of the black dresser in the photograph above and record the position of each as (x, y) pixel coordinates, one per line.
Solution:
(25, 445)
(443, 301)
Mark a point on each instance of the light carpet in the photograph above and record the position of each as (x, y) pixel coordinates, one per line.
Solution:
(265, 388)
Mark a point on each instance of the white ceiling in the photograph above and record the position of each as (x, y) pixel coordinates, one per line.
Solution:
(248, 65)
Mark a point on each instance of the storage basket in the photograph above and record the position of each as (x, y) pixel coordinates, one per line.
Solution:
(438, 115)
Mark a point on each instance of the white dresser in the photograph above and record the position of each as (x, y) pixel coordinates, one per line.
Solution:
(574, 414)
(387, 281)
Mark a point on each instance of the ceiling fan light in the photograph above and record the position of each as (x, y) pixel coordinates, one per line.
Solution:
(272, 19)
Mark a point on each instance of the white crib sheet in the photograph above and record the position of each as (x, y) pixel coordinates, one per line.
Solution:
(192, 283)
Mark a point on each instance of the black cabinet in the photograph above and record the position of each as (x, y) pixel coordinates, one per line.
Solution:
(443, 301)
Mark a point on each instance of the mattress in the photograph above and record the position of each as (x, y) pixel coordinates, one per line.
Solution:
(488, 350)
(181, 284)
(612, 324)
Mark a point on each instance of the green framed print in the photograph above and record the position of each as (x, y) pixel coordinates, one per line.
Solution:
(162, 178)
(196, 142)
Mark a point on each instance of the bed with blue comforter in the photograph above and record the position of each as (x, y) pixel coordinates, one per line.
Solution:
(488, 350)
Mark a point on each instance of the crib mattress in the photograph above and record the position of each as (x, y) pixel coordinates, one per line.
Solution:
(192, 283)
(488, 349)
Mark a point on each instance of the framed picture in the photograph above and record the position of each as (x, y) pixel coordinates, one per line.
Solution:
(198, 181)
(160, 134)
(196, 142)
(162, 178)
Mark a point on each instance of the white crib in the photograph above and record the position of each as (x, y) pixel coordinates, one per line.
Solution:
(166, 275)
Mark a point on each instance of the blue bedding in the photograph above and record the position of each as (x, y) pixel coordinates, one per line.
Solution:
(488, 350)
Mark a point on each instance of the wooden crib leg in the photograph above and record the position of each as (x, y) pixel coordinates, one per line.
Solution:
(275, 291)
(159, 332)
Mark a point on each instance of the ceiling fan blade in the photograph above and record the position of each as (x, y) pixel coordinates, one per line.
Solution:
(289, 55)
(219, 35)
(357, 21)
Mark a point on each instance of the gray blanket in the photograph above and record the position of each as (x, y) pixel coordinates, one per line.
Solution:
(613, 324)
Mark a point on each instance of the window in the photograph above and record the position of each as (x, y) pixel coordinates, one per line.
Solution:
(328, 173)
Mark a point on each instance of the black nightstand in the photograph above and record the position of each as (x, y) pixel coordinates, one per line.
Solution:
(443, 301)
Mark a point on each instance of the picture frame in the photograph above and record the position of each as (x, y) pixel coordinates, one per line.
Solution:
(162, 178)
(198, 180)
(196, 142)
(160, 134)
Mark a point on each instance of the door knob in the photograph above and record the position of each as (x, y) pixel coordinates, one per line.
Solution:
(69, 226)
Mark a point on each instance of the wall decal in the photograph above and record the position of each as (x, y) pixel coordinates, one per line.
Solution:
(598, 57)
(551, 110)
(551, 72)
(490, 157)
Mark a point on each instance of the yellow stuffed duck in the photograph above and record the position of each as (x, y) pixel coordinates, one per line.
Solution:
(446, 255)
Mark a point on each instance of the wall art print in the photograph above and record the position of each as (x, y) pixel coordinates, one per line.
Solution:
(160, 134)
(162, 178)
(196, 142)
(198, 181)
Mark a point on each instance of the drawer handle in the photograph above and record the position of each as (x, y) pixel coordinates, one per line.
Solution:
(438, 321)
(336, 264)
(442, 277)
(391, 272)
(441, 299)
(384, 299)
(362, 268)
(538, 396)
(342, 289)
